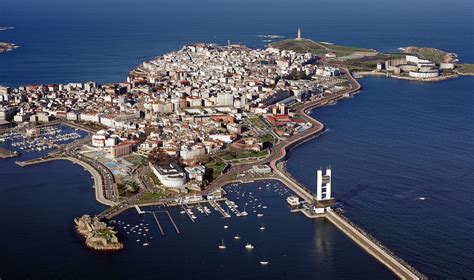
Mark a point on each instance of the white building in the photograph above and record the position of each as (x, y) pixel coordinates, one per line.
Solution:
(323, 185)
(195, 172)
(171, 176)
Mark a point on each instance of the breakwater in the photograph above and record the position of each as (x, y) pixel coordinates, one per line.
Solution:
(374, 247)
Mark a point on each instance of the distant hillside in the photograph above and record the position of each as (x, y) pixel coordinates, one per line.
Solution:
(432, 54)
(321, 49)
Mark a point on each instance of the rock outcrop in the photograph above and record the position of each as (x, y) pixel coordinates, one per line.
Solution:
(97, 234)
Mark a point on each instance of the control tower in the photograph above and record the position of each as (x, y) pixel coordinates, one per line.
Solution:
(323, 185)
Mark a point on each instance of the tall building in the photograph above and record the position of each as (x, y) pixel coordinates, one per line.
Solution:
(323, 185)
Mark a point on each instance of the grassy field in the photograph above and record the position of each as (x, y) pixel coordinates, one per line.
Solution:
(152, 196)
(257, 122)
(466, 69)
(432, 54)
(216, 168)
(243, 154)
(320, 49)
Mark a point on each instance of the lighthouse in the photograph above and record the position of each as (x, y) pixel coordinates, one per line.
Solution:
(298, 35)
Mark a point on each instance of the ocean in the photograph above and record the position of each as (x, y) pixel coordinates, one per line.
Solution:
(401, 151)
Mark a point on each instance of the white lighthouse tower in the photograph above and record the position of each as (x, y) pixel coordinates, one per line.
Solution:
(323, 185)
(298, 35)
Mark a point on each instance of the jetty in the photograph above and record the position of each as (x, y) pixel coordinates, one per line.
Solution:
(4, 153)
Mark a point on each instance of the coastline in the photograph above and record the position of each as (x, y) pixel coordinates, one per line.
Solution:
(388, 75)
(98, 182)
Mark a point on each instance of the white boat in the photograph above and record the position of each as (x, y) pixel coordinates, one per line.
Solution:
(259, 215)
(145, 244)
(194, 217)
(226, 226)
(262, 227)
(237, 237)
(293, 201)
(182, 212)
(264, 262)
(222, 246)
(249, 246)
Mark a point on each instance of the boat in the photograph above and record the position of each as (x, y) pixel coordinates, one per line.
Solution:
(222, 246)
(262, 227)
(194, 217)
(264, 262)
(249, 246)
(259, 215)
(145, 244)
(293, 201)
(182, 212)
(237, 237)
(226, 226)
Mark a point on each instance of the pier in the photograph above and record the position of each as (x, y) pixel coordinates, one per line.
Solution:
(158, 223)
(139, 210)
(172, 221)
(187, 213)
(4, 153)
(219, 209)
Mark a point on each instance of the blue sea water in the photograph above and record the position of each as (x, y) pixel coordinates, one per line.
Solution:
(394, 143)
(402, 160)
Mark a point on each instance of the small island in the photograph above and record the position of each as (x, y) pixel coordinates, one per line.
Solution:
(97, 234)
(4, 46)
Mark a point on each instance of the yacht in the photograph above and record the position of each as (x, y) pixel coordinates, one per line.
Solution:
(249, 246)
(293, 201)
(222, 246)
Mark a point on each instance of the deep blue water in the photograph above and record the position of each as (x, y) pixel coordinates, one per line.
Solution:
(391, 145)
(64, 41)
(395, 142)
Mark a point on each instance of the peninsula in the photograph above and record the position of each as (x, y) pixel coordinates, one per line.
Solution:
(189, 122)
(412, 63)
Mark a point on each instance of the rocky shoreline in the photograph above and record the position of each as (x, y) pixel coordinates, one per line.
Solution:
(6, 47)
(97, 235)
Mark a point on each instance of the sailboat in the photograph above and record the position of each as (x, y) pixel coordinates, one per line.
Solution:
(222, 246)
(249, 246)
(244, 213)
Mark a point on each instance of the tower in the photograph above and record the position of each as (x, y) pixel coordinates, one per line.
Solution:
(323, 185)
(298, 36)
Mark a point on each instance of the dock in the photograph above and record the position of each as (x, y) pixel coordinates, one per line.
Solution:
(4, 153)
(172, 221)
(187, 212)
(140, 211)
(158, 223)
(219, 209)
